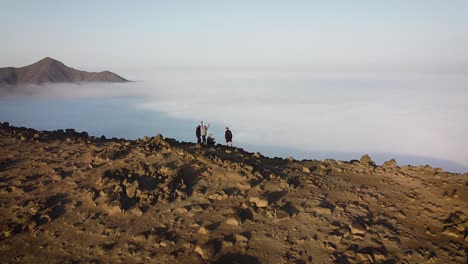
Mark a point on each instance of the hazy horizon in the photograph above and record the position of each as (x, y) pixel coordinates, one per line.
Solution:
(128, 38)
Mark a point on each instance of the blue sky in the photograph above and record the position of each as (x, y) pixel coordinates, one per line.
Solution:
(126, 35)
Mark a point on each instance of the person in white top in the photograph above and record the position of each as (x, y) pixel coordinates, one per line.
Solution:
(204, 131)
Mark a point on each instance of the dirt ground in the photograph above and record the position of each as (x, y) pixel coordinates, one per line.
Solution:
(69, 198)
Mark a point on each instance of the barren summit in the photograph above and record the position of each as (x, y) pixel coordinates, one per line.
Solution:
(67, 197)
(49, 70)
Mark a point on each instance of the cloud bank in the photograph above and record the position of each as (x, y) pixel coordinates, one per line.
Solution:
(421, 115)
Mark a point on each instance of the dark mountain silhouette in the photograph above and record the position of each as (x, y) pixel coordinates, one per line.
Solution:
(49, 70)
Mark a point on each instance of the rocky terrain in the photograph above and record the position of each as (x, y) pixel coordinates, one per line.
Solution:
(49, 70)
(69, 198)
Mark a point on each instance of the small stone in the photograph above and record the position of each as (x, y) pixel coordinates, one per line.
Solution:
(451, 231)
(323, 210)
(131, 189)
(281, 215)
(196, 208)
(203, 231)
(361, 257)
(136, 211)
(139, 237)
(305, 169)
(240, 238)
(379, 257)
(249, 168)
(357, 228)
(206, 251)
(433, 260)
(260, 202)
(187, 245)
(329, 246)
(226, 244)
(56, 177)
(235, 221)
(113, 207)
(34, 209)
(7, 233)
(400, 214)
(32, 225)
(180, 210)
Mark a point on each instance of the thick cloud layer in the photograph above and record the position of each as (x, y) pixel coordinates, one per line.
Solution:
(419, 115)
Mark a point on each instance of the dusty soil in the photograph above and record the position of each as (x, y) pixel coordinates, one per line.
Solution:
(67, 197)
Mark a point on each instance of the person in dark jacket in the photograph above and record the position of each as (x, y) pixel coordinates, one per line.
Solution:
(210, 140)
(228, 136)
(198, 134)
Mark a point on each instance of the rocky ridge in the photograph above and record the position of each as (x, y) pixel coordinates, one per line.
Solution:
(69, 197)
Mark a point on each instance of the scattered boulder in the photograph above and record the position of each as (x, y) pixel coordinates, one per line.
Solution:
(390, 163)
(327, 205)
(366, 160)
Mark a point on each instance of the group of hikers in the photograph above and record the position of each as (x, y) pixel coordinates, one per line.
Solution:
(202, 131)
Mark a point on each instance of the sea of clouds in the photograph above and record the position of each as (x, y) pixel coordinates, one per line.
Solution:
(413, 117)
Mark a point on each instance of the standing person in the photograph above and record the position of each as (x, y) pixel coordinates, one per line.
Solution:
(198, 134)
(228, 136)
(204, 131)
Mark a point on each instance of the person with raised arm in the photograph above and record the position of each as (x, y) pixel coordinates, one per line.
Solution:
(204, 131)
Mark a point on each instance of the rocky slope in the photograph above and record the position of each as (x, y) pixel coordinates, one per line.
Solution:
(67, 197)
(49, 70)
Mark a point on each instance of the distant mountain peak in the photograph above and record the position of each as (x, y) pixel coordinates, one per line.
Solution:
(48, 59)
(49, 70)
(47, 63)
